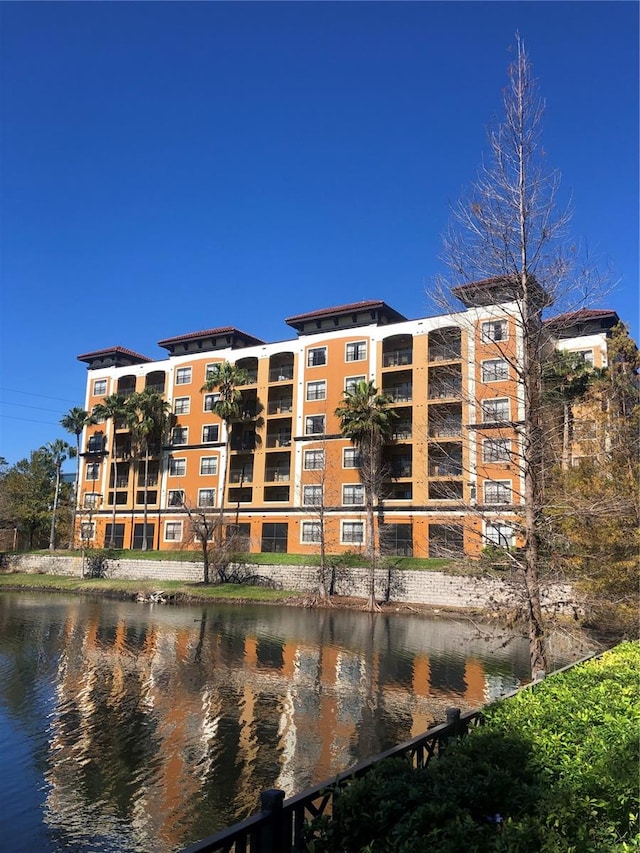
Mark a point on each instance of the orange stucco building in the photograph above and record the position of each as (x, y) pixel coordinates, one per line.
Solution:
(453, 484)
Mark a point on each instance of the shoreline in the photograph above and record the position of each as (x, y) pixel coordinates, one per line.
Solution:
(187, 595)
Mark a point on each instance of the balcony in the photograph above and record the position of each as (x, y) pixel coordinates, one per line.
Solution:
(400, 469)
(243, 475)
(444, 390)
(281, 406)
(444, 352)
(276, 494)
(445, 468)
(402, 430)
(445, 429)
(399, 393)
(281, 373)
(277, 475)
(397, 358)
(279, 439)
(151, 480)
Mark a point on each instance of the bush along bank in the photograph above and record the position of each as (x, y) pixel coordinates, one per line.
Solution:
(553, 769)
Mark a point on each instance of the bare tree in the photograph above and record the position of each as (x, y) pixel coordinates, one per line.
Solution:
(317, 494)
(216, 549)
(506, 244)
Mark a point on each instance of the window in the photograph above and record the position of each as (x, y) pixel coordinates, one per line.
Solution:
(316, 357)
(496, 450)
(312, 495)
(587, 356)
(494, 331)
(314, 425)
(210, 400)
(499, 534)
(100, 387)
(183, 376)
(353, 495)
(210, 433)
(495, 370)
(206, 497)
(96, 443)
(313, 460)
(316, 390)
(209, 465)
(351, 458)
(351, 383)
(177, 467)
(172, 531)
(91, 500)
(497, 492)
(356, 351)
(92, 471)
(274, 537)
(495, 410)
(176, 497)
(311, 531)
(352, 533)
(182, 405)
(179, 435)
(209, 371)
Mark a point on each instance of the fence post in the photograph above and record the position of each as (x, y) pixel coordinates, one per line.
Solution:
(453, 721)
(271, 836)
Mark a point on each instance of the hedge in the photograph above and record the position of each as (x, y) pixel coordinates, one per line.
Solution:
(553, 769)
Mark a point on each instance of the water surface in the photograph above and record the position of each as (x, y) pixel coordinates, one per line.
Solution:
(137, 727)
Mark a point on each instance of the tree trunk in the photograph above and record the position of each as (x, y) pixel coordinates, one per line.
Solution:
(52, 532)
(371, 547)
(145, 544)
(566, 436)
(76, 498)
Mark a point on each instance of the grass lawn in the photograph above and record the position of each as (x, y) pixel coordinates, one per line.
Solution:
(131, 588)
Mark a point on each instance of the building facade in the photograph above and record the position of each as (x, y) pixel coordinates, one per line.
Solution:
(452, 480)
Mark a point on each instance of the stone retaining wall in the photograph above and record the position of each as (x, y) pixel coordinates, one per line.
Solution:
(437, 589)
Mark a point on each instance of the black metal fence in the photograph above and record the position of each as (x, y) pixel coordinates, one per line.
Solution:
(279, 827)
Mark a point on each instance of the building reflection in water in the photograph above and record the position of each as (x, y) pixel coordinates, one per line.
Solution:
(166, 723)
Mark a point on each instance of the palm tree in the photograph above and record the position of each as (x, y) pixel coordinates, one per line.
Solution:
(225, 378)
(57, 451)
(113, 408)
(74, 422)
(149, 418)
(365, 418)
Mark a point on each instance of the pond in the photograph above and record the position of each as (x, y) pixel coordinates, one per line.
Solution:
(138, 727)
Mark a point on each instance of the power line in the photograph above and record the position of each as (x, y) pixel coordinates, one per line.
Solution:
(30, 420)
(33, 394)
(26, 406)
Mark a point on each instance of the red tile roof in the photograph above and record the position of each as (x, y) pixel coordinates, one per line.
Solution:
(209, 333)
(582, 315)
(115, 350)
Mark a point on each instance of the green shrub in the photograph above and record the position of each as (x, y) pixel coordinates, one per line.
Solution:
(553, 769)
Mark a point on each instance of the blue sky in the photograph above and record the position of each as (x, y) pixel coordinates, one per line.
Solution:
(170, 167)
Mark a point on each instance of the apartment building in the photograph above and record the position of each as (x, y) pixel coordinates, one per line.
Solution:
(452, 482)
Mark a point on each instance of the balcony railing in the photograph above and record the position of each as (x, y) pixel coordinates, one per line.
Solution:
(444, 352)
(272, 475)
(281, 374)
(446, 429)
(400, 469)
(282, 440)
(450, 389)
(280, 407)
(402, 431)
(241, 476)
(397, 358)
(445, 469)
(399, 393)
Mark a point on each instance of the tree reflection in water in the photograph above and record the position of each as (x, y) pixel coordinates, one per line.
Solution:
(151, 726)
